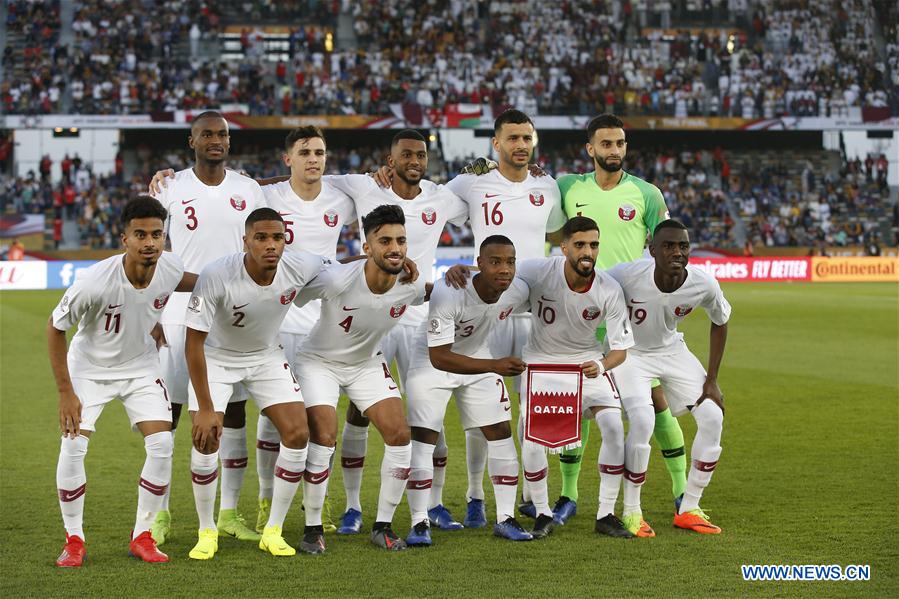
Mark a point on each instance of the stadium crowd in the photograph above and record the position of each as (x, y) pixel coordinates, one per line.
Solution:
(783, 58)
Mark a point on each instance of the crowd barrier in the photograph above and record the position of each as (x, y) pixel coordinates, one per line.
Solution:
(38, 274)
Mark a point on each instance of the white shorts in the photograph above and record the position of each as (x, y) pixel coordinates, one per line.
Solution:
(174, 366)
(145, 399)
(482, 399)
(365, 384)
(599, 392)
(397, 345)
(681, 374)
(270, 383)
(292, 344)
(508, 340)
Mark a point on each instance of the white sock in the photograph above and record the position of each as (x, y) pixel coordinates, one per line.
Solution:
(439, 476)
(71, 482)
(636, 455)
(476, 458)
(525, 492)
(502, 463)
(268, 442)
(154, 479)
(315, 482)
(288, 473)
(704, 454)
(536, 467)
(395, 469)
(418, 488)
(611, 459)
(354, 443)
(233, 453)
(204, 472)
(164, 505)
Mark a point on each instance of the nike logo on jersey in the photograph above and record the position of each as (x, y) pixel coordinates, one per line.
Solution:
(464, 321)
(183, 202)
(349, 309)
(546, 299)
(633, 301)
(111, 307)
(576, 205)
(241, 306)
(492, 195)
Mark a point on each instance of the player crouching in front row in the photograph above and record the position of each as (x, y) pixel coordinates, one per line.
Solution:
(116, 304)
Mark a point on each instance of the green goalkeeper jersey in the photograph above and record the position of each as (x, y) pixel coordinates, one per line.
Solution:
(626, 214)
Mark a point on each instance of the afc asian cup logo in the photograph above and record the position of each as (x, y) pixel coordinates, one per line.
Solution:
(682, 311)
(397, 310)
(626, 212)
(160, 302)
(591, 313)
(536, 198)
(429, 216)
(434, 327)
(195, 304)
(505, 314)
(330, 218)
(238, 203)
(288, 296)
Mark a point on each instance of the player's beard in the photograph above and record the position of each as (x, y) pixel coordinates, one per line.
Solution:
(386, 266)
(609, 168)
(406, 179)
(583, 271)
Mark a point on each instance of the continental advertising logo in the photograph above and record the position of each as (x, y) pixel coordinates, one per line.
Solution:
(855, 269)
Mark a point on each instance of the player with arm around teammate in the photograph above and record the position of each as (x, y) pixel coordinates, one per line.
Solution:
(451, 356)
(659, 294)
(233, 319)
(115, 304)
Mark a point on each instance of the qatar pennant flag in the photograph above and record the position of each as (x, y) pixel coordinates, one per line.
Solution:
(553, 417)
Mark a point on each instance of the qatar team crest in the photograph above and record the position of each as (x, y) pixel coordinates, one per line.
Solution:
(160, 302)
(626, 212)
(505, 314)
(288, 296)
(330, 218)
(238, 203)
(397, 310)
(681, 311)
(429, 216)
(536, 198)
(591, 313)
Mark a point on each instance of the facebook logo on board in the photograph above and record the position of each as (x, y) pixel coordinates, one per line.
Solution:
(61, 275)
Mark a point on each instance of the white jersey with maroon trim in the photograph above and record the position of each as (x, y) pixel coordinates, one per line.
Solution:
(461, 318)
(242, 317)
(313, 226)
(353, 319)
(655, 315)
(114, 319)
(426, 216)
(522, 211)
(205, 223)
(563, 321)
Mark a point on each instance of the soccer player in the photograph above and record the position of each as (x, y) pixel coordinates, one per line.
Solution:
(626, 209)
(207, 207)
(451, 357)
(233, 319)
(427, 208)
(568, 299)
(115, 304)
(314, 213)
(507, 201)
(363, 301)
(659, 294)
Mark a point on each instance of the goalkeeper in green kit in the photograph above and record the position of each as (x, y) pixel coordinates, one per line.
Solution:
(627, 209)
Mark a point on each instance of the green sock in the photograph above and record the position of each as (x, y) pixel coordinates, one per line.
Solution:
(671, 441)
(570, 465)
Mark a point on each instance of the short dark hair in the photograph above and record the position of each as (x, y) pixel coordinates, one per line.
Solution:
(578, 224)
(305, 132)
(495, 240)
(385, 214)
(209, 114)
(143, 206)
(511, 116)
(407, 134)
(671, 223)
(606, 120)
(262, 214)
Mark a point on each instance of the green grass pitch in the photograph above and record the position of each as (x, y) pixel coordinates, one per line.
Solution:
(808, 476)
